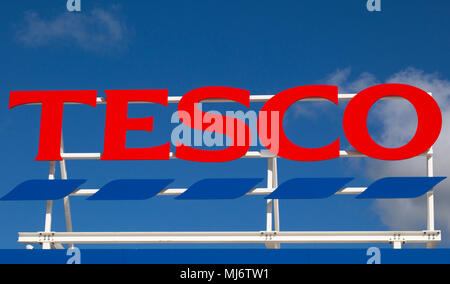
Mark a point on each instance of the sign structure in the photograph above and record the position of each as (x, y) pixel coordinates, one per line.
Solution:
(51, 148)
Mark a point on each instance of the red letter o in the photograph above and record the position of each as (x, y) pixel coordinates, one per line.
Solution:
(428, 127)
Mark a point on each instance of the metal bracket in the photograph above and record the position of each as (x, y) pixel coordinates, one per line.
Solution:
(432, 236)
(45, 237)
(269, 235)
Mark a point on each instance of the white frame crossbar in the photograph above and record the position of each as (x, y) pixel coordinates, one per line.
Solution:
(272, 237)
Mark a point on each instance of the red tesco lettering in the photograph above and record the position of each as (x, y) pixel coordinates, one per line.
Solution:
(117, 122)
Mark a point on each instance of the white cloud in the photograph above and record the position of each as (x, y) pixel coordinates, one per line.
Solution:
(395, 134)
(399, 122)
(340, 78)
(96, 30)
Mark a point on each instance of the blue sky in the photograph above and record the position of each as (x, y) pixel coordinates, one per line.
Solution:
(262, 46)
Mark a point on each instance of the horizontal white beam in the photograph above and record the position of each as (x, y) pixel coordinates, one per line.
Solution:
(97, 156)
(249, 155)
(81, 156)
(351, 190)
(256, 191)
(229, 237)
(253, 99)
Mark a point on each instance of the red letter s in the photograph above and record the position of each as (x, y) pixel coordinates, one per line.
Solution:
(188, 104)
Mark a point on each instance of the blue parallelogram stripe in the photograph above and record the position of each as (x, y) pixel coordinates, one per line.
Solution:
(131, 189)
(43, 190)
(299, 188)
(309, 188)
(220, 188)
(400, 187)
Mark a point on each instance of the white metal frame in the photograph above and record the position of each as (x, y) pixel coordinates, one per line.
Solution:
(272, 237)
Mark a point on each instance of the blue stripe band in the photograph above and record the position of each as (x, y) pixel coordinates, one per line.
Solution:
(220, 188)
(400, 187)
(43, 190)
(131, 189)
(309, 188)
(299, 188)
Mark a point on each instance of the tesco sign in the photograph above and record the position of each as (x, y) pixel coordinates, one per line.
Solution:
(269, 125)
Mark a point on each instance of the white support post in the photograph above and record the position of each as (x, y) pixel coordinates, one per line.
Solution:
(68, 216)
(49, 208)
(276, 204)
(269, 215)
(272, 214)
(397, 245)
(430, 198)
(276, 210)
(269, 211)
